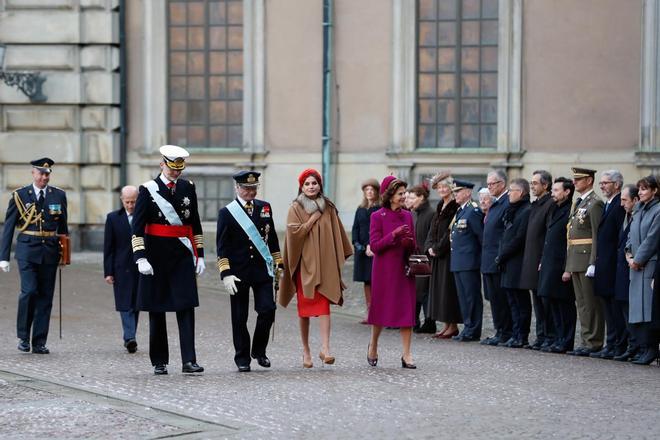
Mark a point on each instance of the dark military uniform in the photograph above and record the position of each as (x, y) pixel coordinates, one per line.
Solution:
(38, 254)
(467, 229)
(239, 257)
(582, 239)
(173, 286)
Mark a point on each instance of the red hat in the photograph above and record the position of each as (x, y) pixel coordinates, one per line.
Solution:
(309, 172)
(385, 183)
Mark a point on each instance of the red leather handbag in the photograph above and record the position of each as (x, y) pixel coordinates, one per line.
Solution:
(419, 265)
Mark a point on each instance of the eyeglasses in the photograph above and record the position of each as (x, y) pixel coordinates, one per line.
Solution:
(489, 184)
(605, 182)
(515, 189)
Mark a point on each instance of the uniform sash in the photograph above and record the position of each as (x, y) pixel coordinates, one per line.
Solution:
(250, 229)
(170, 214)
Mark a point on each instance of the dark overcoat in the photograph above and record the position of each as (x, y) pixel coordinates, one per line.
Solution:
(536, 227)
(422, 218)
(609, 228)
(360, 238)
(512, 245)
(173, 286)
(553, 260)
(622, 283)
(443, 298)
(118, 260)
(493, 230)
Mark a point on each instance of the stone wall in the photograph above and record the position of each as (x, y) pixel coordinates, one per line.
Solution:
(74, 44)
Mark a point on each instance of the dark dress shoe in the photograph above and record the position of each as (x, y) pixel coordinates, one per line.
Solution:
(447, 335)
(465, 338)
(537, 345)
(492, 341)
(40, 349)
(131, 345)
(626, 355)
(512, 343)
(557, 349)
(605, 353)
(648, 357)
(160, 369)
(243, 368)
(192, 367)
(581, 351)
(263, 361)
(24, 345)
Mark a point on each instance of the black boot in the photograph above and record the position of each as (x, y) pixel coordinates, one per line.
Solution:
(428, 326)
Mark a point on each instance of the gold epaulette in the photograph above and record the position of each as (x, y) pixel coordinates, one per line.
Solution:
(474, 204)
(277, 258)
(199, 241)
(137, 243)
(223, 264)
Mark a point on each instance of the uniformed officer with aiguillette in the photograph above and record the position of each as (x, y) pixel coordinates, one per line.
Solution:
(168, 248)
(248, 258)
(39, 213)
(580, 258)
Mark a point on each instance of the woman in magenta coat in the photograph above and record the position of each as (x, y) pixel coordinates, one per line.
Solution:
(392, 240)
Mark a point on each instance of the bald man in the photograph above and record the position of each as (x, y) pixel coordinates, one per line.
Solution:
(118, 267)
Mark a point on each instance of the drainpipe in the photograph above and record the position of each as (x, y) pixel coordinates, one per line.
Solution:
(328, 7)
(123, 75)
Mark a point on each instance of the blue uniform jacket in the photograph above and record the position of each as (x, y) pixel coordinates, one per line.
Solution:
(493, 231)
(118, 260)
(236, 254)
(466, 234)
(39, 250)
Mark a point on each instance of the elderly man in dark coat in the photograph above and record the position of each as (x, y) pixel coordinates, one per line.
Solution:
(493, 230)
(540, 187)
(118, 267)
(609, 228)
(629, 198)
(555, 291)
(510, 258)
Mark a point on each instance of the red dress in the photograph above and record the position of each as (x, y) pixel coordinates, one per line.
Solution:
(317, 306)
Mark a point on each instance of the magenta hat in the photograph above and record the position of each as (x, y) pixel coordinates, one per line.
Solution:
(386, 183)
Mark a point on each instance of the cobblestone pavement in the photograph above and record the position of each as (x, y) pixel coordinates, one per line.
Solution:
(89, 387)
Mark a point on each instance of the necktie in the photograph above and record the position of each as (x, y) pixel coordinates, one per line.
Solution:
(170, 185)
(249, 208)
(130, 219)
(577, 203)
(40, 200)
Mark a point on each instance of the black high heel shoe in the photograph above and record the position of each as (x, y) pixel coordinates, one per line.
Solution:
(371, 361)
(405, 364)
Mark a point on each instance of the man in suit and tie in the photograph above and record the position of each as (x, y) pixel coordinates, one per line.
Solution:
(581, 256)
(609, 228)
(118, 267)
(465, 241)
(249, 258)
(629, 198)
(493, 230)
(39, 212)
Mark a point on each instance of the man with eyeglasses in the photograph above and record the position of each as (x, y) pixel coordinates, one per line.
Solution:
(611, 223)
(581, 255)
(493, 230)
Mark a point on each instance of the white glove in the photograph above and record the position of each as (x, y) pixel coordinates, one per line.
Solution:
(4, 265)
(230, 284)
(144, 267)
(591, 271)
(200, 266)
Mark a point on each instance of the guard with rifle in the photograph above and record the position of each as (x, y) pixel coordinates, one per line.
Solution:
(39, 212)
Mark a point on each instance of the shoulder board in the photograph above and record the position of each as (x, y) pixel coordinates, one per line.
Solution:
(191, 182)
(474, 204)
(55, 187)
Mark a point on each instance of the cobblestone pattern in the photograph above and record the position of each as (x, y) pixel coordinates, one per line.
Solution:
(460, 390)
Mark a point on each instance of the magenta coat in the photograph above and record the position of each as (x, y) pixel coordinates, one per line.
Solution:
(392, 292)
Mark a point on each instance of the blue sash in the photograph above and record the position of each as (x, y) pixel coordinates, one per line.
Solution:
(236, 210)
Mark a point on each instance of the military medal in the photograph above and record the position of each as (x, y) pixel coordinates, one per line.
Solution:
(186, 201)
(186, 213)
(265, 212)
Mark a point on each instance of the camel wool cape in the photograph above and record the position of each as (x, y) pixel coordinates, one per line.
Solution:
(318, 250)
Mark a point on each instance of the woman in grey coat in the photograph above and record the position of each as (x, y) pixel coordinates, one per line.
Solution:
(641, 253)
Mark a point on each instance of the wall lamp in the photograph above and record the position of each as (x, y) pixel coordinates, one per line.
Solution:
(29, 83)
